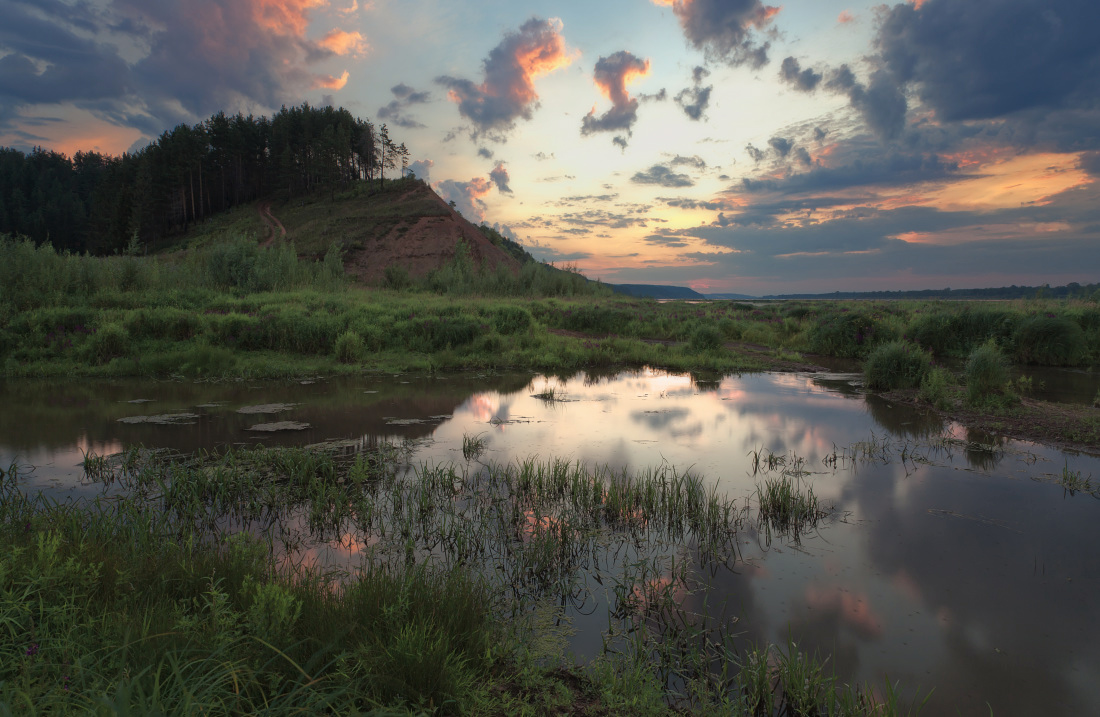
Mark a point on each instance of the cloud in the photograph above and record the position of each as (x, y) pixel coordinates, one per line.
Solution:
(181, 62)
(882, 170)
(694, 161)
(466, 196)
(499, 177)
(723, 29)
(985, 59)
(507, 92)
(404, 98)
(781, 145)
(612, 75)
(484, 152)
(1090, 162)
(422, 168)
(845, 17)
(344, 43)
(663, 176)
(804, 79)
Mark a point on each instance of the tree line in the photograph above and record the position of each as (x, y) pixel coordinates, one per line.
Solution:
(104, 204)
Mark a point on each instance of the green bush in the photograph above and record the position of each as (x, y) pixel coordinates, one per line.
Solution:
(512, 319)
(396, 277)
(1050, 341)
(933, 388)
(848, 334)
(349, 347)
(730, 328)
(958, 331)
(986, 373)
(108, 342)
(897, 364)
(706, 338)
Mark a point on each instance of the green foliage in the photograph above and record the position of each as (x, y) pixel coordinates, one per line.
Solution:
(1050, 341)
(512, 319)
(349, 347)
(957, 330)
(706, 338)
(396, 277)
(934, 388)
(986, 373)
(896, 364)
(848, 333)
(109, 341)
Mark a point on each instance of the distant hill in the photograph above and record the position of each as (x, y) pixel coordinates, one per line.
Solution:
(1072, 290)
(657, 291)
(731, 297)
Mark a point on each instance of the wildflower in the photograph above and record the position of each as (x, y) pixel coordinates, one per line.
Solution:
(32, 650)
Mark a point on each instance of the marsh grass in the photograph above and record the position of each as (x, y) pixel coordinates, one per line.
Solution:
(473, 446)
(1073, 482)
(896, 364)
(200, 586)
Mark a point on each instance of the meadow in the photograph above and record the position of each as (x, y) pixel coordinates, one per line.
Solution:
(235, 309)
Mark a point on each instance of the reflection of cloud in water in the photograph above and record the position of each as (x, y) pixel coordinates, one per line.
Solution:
(482, 407)
(853, 610)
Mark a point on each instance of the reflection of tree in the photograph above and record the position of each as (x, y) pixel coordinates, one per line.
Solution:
(704, 381)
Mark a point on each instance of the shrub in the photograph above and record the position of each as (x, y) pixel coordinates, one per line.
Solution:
(896, 364)
(512, 319)
(110, 341)
(396, 277)
(730, 328)
(349, 347)
(1050, 341)
(706, 338)
(848, 334)
(933, 388)
(986, 373)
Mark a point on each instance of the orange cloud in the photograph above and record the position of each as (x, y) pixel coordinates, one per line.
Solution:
(508, 91)
(287, 17)
(845, 17)
(345, 43)
(328, 82)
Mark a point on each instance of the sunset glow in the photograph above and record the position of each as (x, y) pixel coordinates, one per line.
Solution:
(733, 146)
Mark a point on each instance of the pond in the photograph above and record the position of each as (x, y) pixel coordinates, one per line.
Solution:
(947, 560)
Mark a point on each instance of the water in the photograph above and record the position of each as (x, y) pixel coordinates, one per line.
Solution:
(967, 570)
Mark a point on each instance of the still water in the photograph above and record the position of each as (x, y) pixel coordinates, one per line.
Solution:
(968, 570)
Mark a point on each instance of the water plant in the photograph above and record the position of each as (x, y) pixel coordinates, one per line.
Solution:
(473, 446)
(934, 388)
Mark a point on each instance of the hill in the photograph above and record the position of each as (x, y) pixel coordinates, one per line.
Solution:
(657, 291)
(404, 224)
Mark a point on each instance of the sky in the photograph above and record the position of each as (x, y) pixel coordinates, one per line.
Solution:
(726, 145)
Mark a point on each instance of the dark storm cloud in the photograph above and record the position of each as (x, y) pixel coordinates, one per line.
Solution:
(404, 98)
(987, 58)
(48, 63)
(508, 92)
(892, 169)
(200, 56)
(1090, 162)
(663, 176)
(724, 29)
(803, 79)
(612, 74)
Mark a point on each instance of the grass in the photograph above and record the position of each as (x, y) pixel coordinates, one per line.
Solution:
(1073, 482)
(198, 588)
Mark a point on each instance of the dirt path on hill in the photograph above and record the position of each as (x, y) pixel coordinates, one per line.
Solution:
(272, 224)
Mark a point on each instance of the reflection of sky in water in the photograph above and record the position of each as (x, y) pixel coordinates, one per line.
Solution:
(966, 574)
